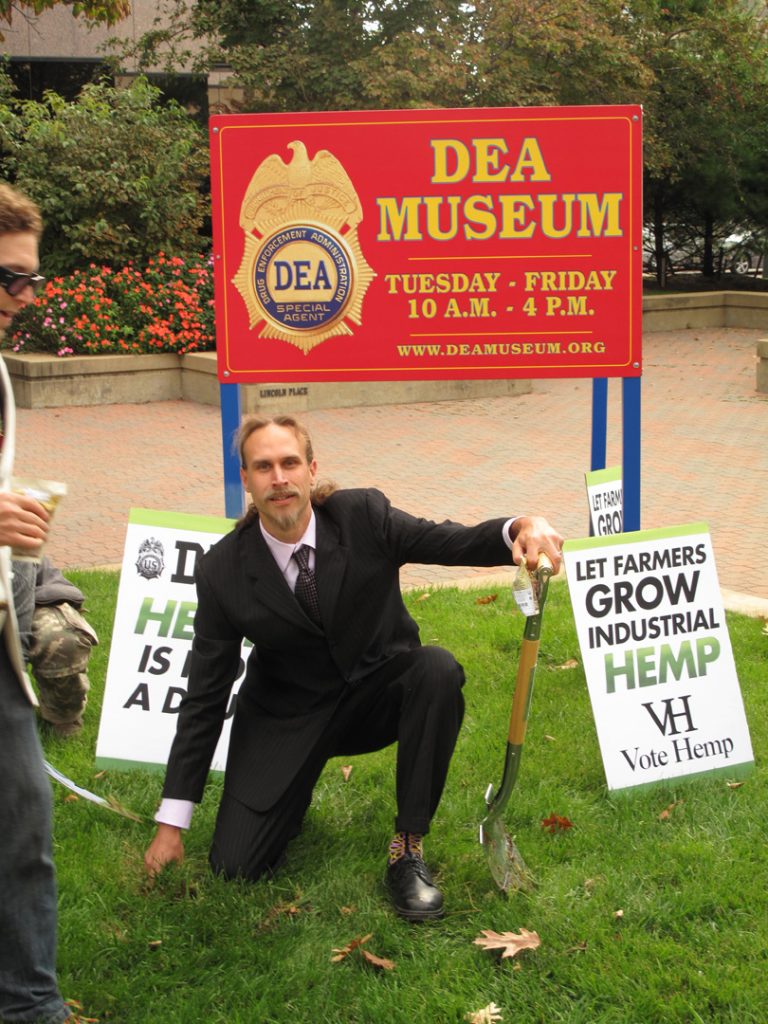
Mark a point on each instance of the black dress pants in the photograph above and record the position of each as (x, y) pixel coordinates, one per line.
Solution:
(415, 700)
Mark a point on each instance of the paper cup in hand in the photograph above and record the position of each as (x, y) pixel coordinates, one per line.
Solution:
(48, 493)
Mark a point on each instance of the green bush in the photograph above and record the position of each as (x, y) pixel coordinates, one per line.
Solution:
(118, 175)
(166, 306)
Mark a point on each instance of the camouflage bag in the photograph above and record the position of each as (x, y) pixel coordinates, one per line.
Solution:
(59, 652)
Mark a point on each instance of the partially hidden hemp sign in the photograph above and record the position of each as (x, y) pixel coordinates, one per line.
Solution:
(657, 656)
(605, 495)
(152, 639)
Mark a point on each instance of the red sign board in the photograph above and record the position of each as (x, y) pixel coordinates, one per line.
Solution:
(428, 244)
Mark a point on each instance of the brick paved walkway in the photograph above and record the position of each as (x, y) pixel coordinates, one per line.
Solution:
(704, 451)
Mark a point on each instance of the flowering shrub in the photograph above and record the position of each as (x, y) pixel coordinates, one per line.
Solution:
(166, 306)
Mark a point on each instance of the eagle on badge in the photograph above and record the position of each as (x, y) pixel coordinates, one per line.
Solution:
(302, 189)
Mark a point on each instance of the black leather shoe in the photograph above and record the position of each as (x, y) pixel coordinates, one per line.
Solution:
(413, 893)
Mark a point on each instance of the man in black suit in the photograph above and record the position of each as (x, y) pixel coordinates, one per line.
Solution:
(337, 667)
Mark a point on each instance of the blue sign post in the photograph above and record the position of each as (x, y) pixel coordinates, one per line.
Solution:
(230, 424)
(630, 442)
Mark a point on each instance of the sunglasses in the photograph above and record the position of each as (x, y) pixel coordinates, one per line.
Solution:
(15, 283)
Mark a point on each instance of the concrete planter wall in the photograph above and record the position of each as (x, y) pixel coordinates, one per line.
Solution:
(199, 383)
(705, 309)
(41, 381)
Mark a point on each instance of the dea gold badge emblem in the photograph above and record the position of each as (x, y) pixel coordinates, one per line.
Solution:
(303, 274)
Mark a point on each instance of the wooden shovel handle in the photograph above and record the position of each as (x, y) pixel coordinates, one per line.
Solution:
(529, 653)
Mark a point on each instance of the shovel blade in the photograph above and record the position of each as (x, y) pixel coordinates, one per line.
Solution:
(505, 861)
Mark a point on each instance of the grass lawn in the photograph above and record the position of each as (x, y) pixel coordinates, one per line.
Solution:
(642, 919)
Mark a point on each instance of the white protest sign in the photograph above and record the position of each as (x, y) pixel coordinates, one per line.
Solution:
(657, 655)
(152, 639)
(606, 501)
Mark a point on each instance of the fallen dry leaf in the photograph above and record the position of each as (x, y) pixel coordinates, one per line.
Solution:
(346, 911)
(488, 1015)
(342, 954)
(571, 663)
(556, 823)
(423, 597)
(78, 1008)
(510, 942)
(550, 738)
(285, 908)
(488, 599)
(618, 914)
(369, 958)
(580, 947)
(734, 785)
(71, 798)
(155, 944)
(346, 771)
(101, 774)
(666, 813)
(377, 961)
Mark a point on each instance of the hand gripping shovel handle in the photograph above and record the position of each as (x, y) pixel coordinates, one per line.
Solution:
(506, 864)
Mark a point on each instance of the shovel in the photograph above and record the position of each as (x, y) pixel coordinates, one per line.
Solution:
(504, 859)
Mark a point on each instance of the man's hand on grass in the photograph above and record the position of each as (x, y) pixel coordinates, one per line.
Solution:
(166, 848)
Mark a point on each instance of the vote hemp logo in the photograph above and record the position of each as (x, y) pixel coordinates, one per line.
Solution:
(303, 275)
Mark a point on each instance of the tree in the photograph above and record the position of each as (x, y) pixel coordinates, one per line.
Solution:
(705, 113)
(545, 52)
(698, 67)
(107, 11)
(317, 54)
(118, 175)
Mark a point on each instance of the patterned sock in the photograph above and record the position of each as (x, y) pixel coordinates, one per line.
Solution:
(405, 842)
(398, 847)
(416, 844)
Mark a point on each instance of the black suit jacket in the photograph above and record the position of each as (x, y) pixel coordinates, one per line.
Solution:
(297, 672)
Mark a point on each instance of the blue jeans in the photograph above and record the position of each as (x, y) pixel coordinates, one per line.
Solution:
(28, 987)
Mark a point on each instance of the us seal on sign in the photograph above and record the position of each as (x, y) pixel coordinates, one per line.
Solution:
(150, 563)
(303, 276)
